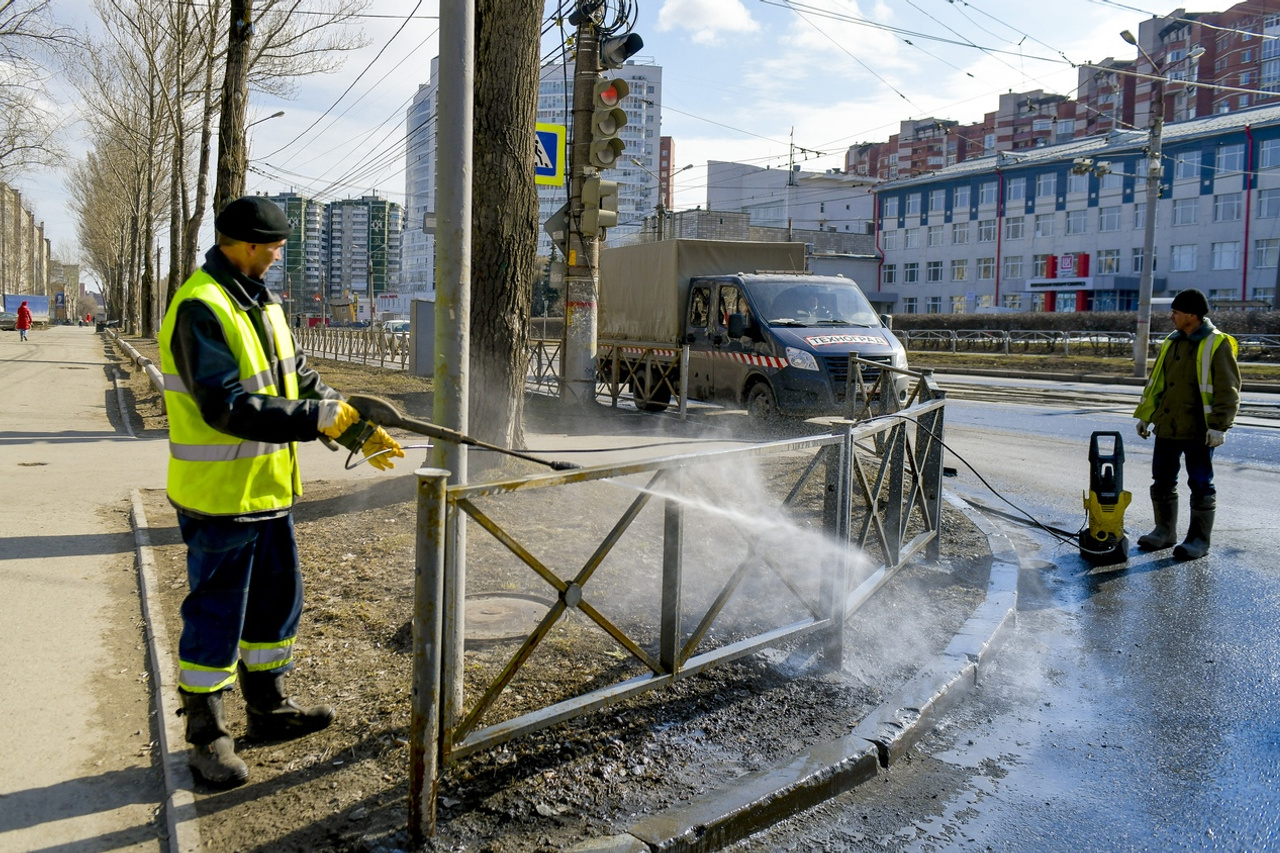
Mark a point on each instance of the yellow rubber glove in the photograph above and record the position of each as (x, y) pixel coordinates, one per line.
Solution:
(377, 443)
(336, 417)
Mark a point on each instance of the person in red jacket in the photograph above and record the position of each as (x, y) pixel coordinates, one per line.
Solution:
(24, 320)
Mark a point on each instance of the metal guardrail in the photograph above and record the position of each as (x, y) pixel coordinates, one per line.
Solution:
(1052, 342)
(367, 345)
(876, 508)
(148, 366)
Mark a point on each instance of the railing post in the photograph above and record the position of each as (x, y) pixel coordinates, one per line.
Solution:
(428, 692)
(684, 381)
(929, 433)
(836, 511)
(894, 518)
(672, 569)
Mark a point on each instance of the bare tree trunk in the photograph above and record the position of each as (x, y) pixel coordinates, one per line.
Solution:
(191, 232)
(235, 97)
(504, 219)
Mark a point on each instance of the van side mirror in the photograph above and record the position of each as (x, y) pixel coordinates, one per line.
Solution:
(737, 326)
(887, 319)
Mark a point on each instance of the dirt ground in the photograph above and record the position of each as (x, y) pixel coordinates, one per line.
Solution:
(345, 789)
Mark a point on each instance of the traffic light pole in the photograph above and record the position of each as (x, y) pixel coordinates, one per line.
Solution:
(582, 272)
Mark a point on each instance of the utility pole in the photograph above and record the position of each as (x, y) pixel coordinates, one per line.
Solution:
(582, 271)
(1155, 168)
(232, 156)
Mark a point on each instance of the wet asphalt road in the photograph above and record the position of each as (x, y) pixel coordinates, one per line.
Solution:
(1134, 707)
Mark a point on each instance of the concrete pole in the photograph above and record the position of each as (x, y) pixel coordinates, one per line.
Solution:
(582, 272)
(1155, 168)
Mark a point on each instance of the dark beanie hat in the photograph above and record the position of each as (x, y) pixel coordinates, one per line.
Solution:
(1191, 302)
(253, 219)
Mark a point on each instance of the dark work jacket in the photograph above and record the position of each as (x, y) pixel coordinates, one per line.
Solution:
(1179, 410)
(209, 370)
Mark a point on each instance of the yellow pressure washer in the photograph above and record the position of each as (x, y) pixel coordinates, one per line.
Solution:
(1102, 540)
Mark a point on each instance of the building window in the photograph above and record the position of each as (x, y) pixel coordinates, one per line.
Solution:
(890, 241)
(1225, 256)
(1269, 154)
(890, 207)
(986, 231)
(1039, 266)
(911, 273)
(987, 193)
(1182, 258)
(1108, 261)
(1186, 165)
(1013, 227)
(1268, 204)
(1076, 222)
(1184, 211)
(1135, 264)
(958, 304)
(1109, 219)
(937, 201)
(960, 269)
(1226, 207)
(1111, 181)
(1046, 185)
(1044, 225)
(935, 236)
(1140, 215)
(1231, 157)
(1265, 294)
(1013, 266)
(913, 204)
(986, 269)
(889, 275)
(1077, 184)
(960, 233)
(1016, 189)
(960, 199)
(1266, 253)
(933, 271)
(1012, 300)
(911, 238)
(934, 305)
(909, 305)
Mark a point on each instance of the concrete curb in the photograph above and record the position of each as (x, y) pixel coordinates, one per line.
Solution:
(179, 807)
(759, 800)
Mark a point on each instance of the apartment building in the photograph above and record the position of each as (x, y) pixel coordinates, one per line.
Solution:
(299, 276)
(1029, 230)
(362, 249)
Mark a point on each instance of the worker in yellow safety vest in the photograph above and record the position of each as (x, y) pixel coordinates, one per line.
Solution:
(240, 396)
(1189, 402)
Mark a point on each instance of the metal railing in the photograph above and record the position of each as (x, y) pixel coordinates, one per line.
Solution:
(732, 587)
(367, 345)
(1020, 341)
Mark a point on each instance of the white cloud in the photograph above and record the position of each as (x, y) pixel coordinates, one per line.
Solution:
(706, 20)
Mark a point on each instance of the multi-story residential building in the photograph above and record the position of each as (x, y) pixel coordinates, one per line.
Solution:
(781, 198)
(1026, 230)
(299, 276)
(417, 272)
(363, 250)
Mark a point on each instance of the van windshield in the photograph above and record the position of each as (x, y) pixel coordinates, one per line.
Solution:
(787, 303)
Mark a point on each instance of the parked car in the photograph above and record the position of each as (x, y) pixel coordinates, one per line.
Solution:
(396, 326)
(8, 321)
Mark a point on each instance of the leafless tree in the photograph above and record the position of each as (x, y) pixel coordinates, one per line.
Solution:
(28, 120)
(504, 218)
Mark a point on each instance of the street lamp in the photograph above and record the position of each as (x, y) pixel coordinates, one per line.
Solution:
(277, 114)
(1155, 168)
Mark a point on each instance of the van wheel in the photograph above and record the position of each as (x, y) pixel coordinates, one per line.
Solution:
(649, 391)
(761, 403)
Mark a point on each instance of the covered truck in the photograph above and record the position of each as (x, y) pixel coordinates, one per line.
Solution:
(762, 332)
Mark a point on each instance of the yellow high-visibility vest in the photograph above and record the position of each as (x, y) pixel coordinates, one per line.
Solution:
(211, 472)
(1204, 370)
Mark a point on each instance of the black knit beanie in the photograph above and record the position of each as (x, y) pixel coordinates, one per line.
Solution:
(253, 219)
(1191, 302)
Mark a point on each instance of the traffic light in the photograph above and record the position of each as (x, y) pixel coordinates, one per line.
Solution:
(616, 50)
(599, 206)
(607, 121)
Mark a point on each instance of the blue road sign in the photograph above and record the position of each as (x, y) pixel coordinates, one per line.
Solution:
(548, 154)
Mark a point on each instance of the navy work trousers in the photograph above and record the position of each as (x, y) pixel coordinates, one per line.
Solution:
(1165, 462)
(245, 585)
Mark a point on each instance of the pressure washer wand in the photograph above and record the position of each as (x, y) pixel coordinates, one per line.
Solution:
(385, 414)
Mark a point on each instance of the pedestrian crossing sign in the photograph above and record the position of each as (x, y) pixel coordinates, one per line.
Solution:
(548, 154)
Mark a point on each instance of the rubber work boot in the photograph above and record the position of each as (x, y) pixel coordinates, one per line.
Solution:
(213, 752)
(272, 714)
(1165, 506)
(1196, 545)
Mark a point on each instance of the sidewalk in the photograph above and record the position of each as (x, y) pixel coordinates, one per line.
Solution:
(76, 769)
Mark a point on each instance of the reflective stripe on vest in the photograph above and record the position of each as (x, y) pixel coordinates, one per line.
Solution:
(211, 472)
(195, 678)
(260, 657)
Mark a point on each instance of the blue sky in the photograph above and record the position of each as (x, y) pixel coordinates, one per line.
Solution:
(741, 79)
